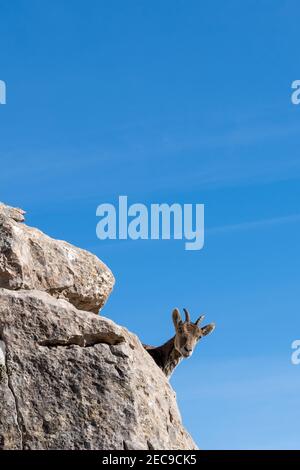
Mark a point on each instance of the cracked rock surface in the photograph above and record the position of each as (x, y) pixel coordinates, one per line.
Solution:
(29, 259)
(72, 380)
(10, 433)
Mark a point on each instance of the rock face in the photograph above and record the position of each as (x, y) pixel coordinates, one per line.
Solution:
(29, 259)
(70, 379)
(73, 380)
(12, 212)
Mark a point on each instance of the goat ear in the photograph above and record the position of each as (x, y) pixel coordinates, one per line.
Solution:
(176, 317)
(207, 329)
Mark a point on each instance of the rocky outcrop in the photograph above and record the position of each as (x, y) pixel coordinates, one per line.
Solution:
(29, 259)
(12, 212)
(70, 379)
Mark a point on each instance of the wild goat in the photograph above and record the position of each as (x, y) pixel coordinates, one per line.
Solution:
(168, 356)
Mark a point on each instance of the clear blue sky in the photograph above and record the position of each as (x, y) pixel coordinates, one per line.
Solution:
(173, 101)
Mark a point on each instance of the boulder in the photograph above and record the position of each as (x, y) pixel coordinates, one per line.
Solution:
(73, 380)
(29, 259)
(12, 212)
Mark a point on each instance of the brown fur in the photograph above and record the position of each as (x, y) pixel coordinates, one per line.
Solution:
(168, 356)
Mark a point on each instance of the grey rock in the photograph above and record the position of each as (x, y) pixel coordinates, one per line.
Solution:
(29, 259)
(12, 212)
(74, 380)
(10, 433)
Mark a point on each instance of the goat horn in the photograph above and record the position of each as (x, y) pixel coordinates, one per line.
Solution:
(200, 319)
(187, 315)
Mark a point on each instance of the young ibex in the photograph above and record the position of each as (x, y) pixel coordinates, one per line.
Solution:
(168, 356)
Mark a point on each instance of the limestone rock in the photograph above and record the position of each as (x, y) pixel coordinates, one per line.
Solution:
(29, 259)
(10, 434)
(12, 212)
(74, 380)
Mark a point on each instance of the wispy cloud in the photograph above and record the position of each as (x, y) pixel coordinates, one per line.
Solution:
(256, 224)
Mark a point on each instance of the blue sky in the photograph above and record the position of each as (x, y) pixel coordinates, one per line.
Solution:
(184, 102)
